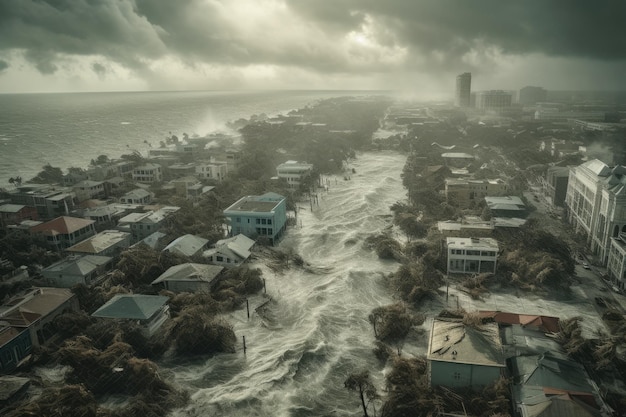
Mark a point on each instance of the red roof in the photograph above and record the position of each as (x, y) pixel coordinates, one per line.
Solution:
(544, 323)
(63, 225)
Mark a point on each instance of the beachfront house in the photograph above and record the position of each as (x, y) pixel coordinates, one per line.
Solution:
(88, 189)
(230, 252)
(141, 225)
(263, 216)
(461, 356)
(105, 243)
(16, 213)
(294, 172)
(471, 255)
(187, 245)
(26, 321)
(137, 196)
(148, 173)
(149, 311)
(50, 201)
(65, 231)
(76, 269)
(212, 170)
(189, 277)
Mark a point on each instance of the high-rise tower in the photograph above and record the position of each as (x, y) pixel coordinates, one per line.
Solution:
(463, 90)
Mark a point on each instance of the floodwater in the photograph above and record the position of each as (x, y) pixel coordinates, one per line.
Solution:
(314, 332)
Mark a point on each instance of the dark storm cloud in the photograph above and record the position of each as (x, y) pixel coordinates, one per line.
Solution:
(82, 27)
(3, 65)
(99, 69)
(565, 28)
(308, 34)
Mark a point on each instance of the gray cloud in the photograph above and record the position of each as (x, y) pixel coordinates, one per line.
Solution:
(438, 36)
(99, 69)
(3, 65)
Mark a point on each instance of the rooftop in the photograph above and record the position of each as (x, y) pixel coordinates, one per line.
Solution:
(74, 265)
(100, 242)
(452, 341)
(190, 272)
(131, 306)
(11, 208)
(486, 243)
(186, 245)
(265, 203)
(63, 225)
(23, 310)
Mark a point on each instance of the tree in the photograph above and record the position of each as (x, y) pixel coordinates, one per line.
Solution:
(361, 383)
(49, 175)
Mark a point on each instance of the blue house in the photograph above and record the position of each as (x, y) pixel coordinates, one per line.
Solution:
(263, 216)
(15, 346)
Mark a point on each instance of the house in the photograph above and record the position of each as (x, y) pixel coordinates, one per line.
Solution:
(26, 321)
(149, 311)
(141, 225)
(457, 159)
(189, 277)
(262, 216)
(148, 173)
(187, 245)
(65, 231)
(50, 201)
(88, 189)
(105, 243)
(294, 172)
(16, 213)
(76, 270)
(467, 192)
(461, 356)
(550, 384)
(471, 255)
(137, 196)
(213, 170)
(554, 185)
(104, 216)
(153, 240)
(507, 206)
(230, 252)
(468, 225)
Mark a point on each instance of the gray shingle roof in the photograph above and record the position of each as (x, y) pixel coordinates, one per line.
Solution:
(131, 306)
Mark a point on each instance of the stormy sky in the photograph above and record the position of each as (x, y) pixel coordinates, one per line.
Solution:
(415, 46)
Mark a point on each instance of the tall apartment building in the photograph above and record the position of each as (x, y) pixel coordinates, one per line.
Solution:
(463, 89)
(532, 95)
(596, 204)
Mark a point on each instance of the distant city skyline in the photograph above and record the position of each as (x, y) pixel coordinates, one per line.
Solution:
(413, 47)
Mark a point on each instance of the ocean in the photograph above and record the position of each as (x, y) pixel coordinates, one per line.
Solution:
(69, 130)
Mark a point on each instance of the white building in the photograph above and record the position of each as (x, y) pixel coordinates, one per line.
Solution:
(596, 204)
(213, 170)
(616, 265)
(471, 255)
(293, 172)
(148, 173)
(137, 196)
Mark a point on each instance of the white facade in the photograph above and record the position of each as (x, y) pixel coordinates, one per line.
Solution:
(212, 170)
(596, 203)
(148, 173)
(293, 172)
(471, 255)
(616, 265)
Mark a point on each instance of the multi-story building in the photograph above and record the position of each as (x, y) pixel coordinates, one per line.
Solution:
(464, 193)
(50, 201)
(141, 225)
(262, 216)
(616, 265)
(531, 95)
(88, 189)
(293, 172)
(463, 90)
(214, 170)
(16, 213)
(65, 231)
(148, 173)
(596, 204)
(494, 100)
(471, 255)
(554, 186)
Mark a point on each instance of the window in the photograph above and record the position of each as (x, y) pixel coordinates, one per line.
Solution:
(238, 219)
(263, 221)
(457, 376)
(219, 258)
(269, 221)
(258, 221)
